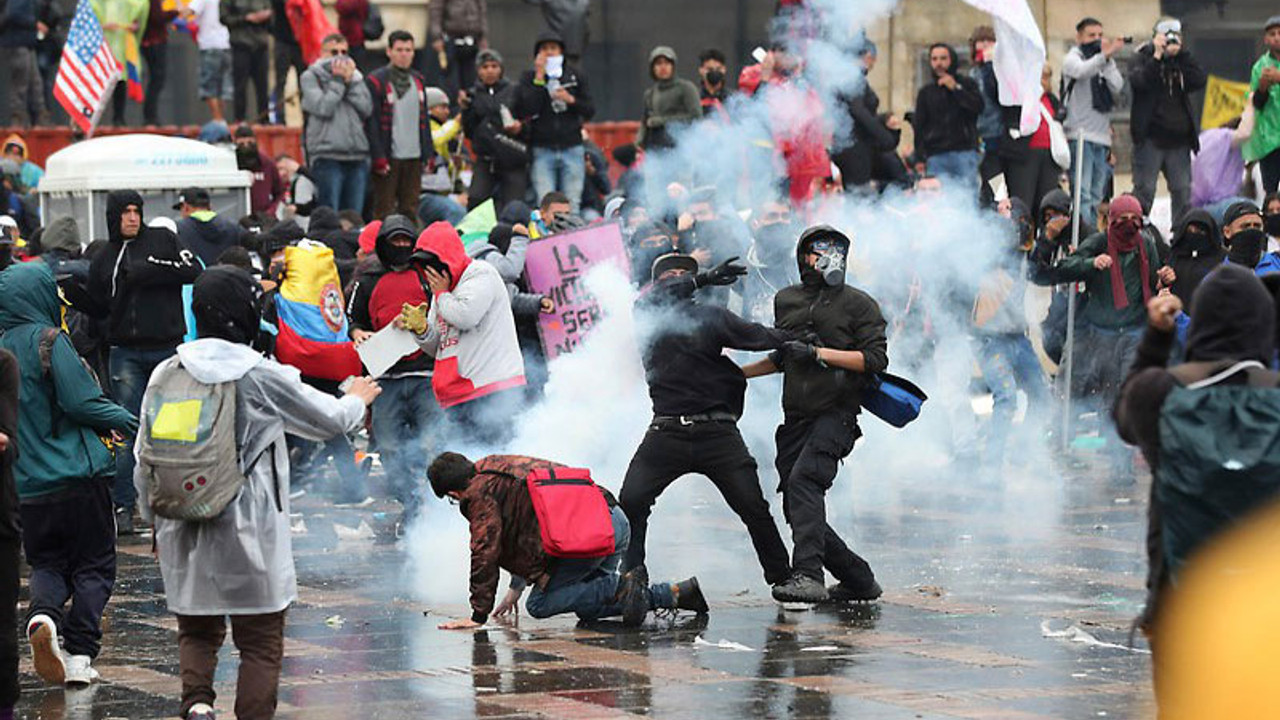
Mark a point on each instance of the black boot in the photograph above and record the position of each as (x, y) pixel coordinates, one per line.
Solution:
(633, 596)
(688, 595)
(844, 593)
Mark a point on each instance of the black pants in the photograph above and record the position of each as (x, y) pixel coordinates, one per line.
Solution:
(9, 583)
(285, 56)
(71, 548)
(246, 65)
(118, 99)
(157, 59)
(503, 186)
(717, 451)
(809, 455)
(992, 165)
(1032, 175)
(1271, 171)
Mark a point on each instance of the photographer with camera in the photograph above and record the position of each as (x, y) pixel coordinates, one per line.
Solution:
(1091, 81)
(1163, 77)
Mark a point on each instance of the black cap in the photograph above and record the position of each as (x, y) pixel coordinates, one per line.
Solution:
(1238, 210)
(196, 196)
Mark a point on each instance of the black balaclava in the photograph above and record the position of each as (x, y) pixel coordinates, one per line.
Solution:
(391, 256)
(1232, 318)
(1196, 235)
(832, 247)
(117, 201)
(227, 304)
(642, 258)
(1247, 247)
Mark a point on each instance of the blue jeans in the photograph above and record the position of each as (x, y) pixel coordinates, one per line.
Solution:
(960, 166)
(130, 369)
(402, 418)
(1093, 183)
(340, 184)
(587, 587)
(1008, 364)
(564, 170)
(434, 208)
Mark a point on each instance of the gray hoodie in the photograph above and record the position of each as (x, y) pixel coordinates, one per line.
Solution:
(1081, 117)
(336, 112)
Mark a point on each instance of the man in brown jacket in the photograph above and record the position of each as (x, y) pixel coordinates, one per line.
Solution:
(493, 495)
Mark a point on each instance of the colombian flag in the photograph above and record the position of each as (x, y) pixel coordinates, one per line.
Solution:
(133, 67)
(313, 321)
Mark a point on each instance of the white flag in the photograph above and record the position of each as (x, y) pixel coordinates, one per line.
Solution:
(1019, 57)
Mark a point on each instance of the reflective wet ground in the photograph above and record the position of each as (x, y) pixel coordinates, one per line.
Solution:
(1005, 598)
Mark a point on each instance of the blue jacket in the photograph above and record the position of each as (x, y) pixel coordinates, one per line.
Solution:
(64, 413)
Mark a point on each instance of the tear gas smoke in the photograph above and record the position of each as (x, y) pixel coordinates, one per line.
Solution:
(922, 256)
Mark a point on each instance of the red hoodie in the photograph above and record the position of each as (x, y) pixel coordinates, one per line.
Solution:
(471, 331)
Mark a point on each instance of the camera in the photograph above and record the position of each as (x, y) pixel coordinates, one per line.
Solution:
(1172, 38)
(1128, 39)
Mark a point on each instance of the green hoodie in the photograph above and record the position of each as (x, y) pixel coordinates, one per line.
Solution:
(62, 411)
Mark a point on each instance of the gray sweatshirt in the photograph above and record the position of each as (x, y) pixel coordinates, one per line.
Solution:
(1081, 117)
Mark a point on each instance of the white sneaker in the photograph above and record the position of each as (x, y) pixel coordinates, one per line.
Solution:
(42, 633)
(200, 711)
(80, 670)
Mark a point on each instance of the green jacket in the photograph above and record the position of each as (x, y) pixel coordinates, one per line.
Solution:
(63, 411)
(121, 12)
(1101, 310)
(1266, 130)
(233, 13)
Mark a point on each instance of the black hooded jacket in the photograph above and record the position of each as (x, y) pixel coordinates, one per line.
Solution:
(1192, 260)
(947, 120)
(380, 290)
(841, 317)
(1233, 318)
(1162, 91)
(682, 346)
(137, 283)
(533, 106)
(482, 118)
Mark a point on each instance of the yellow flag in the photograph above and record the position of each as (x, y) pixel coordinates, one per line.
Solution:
(1223, 102)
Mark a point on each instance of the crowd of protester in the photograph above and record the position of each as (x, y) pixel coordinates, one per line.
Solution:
(393, 163)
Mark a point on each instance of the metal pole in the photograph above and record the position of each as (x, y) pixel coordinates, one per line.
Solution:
(1070, 350)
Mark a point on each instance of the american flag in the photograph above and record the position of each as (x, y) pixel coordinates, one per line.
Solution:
(88, 71)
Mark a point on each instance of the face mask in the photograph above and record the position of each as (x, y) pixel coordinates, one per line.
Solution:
(1272, 225)
(1091, 49)
(247, 157)
(774, 243)
(1196, 241)
(1247, 247)
(715, 77)
(393, 256)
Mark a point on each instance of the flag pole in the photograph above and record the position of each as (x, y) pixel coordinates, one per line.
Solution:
(1069, 360)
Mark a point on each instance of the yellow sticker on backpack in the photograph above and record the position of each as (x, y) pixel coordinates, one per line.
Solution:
(177, 421)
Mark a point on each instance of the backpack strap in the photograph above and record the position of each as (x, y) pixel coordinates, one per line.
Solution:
(1198, 375)
(48, 337)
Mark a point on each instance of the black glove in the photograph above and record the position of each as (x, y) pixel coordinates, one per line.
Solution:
(726, 273)
(794, 351)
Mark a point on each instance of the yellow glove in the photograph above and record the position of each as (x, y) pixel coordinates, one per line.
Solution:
(414, 318)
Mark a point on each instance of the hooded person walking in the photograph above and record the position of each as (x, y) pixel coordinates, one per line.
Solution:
(64, 478)
(1207, 428)
(240, 563)
(668, 104)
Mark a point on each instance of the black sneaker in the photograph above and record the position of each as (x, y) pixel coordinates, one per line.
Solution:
(124, 521)
(842, 593)
(633, 595)
(800, 588)
(689, 596)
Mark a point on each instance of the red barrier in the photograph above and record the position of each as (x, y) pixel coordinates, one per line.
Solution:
(277, 139)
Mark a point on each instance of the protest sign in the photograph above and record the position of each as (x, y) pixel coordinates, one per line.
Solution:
(556, 266)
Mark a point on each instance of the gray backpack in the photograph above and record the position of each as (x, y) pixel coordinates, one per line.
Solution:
(187, 446)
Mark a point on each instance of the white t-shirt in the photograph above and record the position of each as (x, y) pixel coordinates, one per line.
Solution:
(213, 35)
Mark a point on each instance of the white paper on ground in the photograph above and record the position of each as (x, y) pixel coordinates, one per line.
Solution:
(722, 645)
(386, 348)
(1077, 634)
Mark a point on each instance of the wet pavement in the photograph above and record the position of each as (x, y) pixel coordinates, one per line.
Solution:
(1005, 598)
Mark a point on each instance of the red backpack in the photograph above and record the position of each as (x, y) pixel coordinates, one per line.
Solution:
(572, 512)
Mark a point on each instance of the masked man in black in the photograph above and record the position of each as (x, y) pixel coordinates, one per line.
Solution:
(824, 378)
(697, 395)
